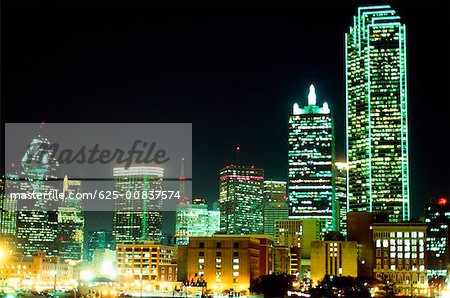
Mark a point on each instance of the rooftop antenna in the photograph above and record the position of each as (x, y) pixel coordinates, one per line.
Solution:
(238, 150)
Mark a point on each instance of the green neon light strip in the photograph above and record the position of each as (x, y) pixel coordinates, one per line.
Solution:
(408, 210)
(346, 128)
(390, 11)
(401, 121)
(374, 19)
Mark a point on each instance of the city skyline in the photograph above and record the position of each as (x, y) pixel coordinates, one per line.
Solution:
(282, 149)
(281, 92)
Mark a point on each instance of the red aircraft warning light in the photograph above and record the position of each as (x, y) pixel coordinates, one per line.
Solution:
(442, 201)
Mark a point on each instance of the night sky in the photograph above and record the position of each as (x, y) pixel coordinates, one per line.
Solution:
(233, 69)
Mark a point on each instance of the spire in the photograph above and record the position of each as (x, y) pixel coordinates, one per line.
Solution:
(312, 96)
(65, 183)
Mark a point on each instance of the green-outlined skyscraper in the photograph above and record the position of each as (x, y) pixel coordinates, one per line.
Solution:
(376, 105)
(310, 159)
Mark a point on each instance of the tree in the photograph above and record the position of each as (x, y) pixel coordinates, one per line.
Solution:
(273, 285)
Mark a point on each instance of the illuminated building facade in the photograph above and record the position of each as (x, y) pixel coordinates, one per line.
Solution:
(147, 262)
(275, 205)
(437, 218)
(311, 157)
(37, 220)
(196, 220)
(400, 256)
(340, 186)
(226, 262)
(135, 218)
(241, 200)
(71, 223)
(41, 272)
(376, 104)
(335, 258)
(8, 211)
(274, 191)
(101, 239)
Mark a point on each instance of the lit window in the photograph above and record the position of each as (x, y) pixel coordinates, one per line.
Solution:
(201, 260)
(378, 243)
(235, 267)
(236, 260)
(235, 273)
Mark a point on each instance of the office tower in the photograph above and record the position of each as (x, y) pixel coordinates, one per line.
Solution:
(8, 211)
(37, 222)
(274, 191)
(299, 233)
(311, 157)
(359, 229)
(137, 214)
(100, 239)
(275, 205)
(400, 256)
(71, 222)
(340, 193)
(376, 96)
(194, 219)
(241, 200)
(437, 218)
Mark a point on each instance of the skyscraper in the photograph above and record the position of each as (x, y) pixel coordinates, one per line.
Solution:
(275, 205)
(196, 220)
(437, 218)
(311, 157)
(376, 104)
(71, 222)
(340, 186)
(241, 200)
(100, 239)
(137, 214)
(37, 222)
(8, 211)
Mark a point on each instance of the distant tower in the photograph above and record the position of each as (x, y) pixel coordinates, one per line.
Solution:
(134, 218)
(377, 124)
(71, 222)
(310, 158)
(275, 205)
(194, 219)
(241, 200)
(340, 186)
(36, 222)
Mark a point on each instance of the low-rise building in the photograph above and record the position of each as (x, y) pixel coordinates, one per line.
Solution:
(147, 265)
(41, 273)
(226, 262)
(400, 256)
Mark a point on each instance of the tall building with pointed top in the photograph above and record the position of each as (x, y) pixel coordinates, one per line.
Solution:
(376, 104)
(310, 158)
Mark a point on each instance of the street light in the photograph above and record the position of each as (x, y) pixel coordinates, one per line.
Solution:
(54, 281)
